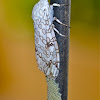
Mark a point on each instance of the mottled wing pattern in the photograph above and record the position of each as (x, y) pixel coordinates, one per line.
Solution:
(46, 47)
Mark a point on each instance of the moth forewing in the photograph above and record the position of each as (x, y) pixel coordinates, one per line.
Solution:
(46, 47)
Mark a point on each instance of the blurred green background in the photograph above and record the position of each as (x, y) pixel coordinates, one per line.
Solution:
(20, 78)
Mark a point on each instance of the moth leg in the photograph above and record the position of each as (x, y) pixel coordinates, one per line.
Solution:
(58, 5)
(58, 32)
(57, 20)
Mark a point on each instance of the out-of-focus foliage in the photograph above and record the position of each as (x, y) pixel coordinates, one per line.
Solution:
(86, 11)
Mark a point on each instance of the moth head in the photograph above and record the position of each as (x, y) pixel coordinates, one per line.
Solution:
(40, 9)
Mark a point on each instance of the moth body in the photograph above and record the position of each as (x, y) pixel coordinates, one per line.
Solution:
(46, 47)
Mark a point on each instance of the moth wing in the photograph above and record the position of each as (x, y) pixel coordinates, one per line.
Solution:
(46, 47)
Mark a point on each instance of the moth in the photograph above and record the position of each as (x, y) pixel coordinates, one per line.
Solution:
(46, 47)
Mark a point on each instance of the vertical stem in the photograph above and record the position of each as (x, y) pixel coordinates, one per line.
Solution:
(63, 14)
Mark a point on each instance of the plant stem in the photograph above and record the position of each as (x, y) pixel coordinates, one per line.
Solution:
(63, 14)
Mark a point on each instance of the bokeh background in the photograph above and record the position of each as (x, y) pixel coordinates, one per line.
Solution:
(20, 78)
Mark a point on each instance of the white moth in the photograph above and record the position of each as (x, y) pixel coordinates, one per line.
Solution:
(46, 47)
